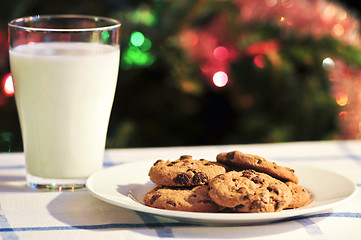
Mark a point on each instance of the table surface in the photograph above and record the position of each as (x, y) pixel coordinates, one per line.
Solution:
(32, 214)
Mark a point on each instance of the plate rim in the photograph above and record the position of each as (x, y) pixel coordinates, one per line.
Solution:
(218, 218)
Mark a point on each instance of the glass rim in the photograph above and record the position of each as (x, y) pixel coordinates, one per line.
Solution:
(113, 23)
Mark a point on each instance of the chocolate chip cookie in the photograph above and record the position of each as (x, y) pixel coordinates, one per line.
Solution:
(300, 196)
(249, 191)
(181, 199)
(184, 172)
(237, 159)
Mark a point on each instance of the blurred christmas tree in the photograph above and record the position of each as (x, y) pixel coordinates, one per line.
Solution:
(221, 72)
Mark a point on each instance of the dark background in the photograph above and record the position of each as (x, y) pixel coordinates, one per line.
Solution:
(153, 104)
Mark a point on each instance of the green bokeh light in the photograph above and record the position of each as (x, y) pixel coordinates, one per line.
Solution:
(137, 39)
(144, 15)
(146, 46)
(134, 56)
(137, 54)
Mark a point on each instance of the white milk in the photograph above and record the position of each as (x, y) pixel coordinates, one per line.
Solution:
(64, 94)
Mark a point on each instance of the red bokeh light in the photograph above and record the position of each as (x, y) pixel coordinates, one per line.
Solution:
(259, 61)
(7, 85)
(221, 53)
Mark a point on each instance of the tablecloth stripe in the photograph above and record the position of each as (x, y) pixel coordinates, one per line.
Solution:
(161, 226)
(337, 215)
(310, 226)
(100, 227)
(4, 224)
(12, 167)
(348, 153)
(162, 231)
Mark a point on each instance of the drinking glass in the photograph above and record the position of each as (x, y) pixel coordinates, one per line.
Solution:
(65, 71)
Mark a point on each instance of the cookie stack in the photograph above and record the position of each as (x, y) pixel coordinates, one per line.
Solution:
(237, 182)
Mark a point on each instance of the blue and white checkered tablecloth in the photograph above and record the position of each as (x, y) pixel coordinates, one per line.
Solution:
(30, 214)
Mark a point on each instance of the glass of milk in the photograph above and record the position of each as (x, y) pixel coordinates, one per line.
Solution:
(65, 70)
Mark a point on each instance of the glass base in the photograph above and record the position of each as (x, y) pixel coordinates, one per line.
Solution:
(55, 185)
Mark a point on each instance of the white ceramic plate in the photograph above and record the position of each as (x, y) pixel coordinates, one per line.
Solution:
(125, 185)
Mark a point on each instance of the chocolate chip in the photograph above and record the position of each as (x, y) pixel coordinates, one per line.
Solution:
(273, 189)
(182, 179)
(185, 157)
(280, 205)
(230, 156)
(246, 197)
(240, 206)
(247, 173)
(259, 161)
(154, 198)
(257, 179)
(170, 164)
(171, 203)
(242, 190)
(158, 161)
(200, 178)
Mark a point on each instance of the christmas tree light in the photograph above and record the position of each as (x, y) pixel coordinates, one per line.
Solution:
(137, 39)
(8, 86)
(220, 79)
(138, 52)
